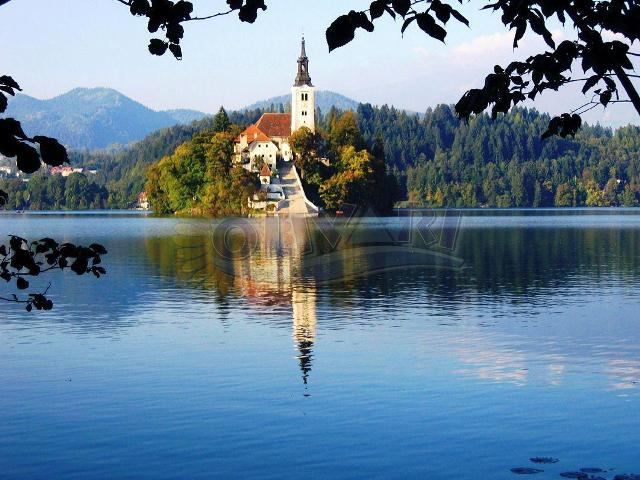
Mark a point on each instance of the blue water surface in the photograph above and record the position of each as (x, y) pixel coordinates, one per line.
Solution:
(183, 362)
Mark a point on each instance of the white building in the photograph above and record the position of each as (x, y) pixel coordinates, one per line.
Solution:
(268, 138)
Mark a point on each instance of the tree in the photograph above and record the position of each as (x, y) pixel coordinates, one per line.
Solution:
(221, 121)
(199, 178)
(344, 131)
(305, 145)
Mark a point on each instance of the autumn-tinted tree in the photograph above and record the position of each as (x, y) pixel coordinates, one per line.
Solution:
(199, 178)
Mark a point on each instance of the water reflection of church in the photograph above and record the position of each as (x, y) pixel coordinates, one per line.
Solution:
(268, 277)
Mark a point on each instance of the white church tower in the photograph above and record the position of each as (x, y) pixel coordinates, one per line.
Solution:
(303, 96)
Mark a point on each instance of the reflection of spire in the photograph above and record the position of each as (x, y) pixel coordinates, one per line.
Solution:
(306, 354)
(304, 326)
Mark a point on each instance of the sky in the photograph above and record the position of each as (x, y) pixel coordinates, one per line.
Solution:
(51, 47)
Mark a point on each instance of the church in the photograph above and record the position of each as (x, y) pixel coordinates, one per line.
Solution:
(268, 138)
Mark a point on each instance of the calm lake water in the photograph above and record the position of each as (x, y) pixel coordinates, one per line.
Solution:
(417, 347)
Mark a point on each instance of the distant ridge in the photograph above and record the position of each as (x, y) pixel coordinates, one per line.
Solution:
(325, 99)
(93, 117)
(185, 116)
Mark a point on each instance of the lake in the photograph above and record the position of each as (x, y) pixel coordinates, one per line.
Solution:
(433, 345)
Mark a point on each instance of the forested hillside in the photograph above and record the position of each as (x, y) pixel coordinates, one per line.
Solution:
(505, 163)
(437, 160)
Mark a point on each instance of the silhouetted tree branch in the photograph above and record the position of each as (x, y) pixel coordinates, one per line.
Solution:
(506, 86)
(20, 260)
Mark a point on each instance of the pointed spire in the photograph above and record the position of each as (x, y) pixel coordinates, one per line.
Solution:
(303, 52)
(303, 78)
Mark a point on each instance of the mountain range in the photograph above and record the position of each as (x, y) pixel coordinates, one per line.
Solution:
(324, 101)
(92, 117)
(97, 118)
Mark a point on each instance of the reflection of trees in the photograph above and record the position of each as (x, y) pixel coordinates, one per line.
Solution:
(281, 266)
(497, 261)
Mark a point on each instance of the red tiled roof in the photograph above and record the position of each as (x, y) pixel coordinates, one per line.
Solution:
(266, 171)
(254, 134)
(275, 124)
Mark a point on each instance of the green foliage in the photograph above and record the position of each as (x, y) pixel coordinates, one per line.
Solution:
(221, 121)
(503, 162)
(199, 179)
(355, 175)
(54, 192)
(123, 172)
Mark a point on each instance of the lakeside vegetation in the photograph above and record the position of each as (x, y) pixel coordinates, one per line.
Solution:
(435, 160)
(55, 192)
(200, 179)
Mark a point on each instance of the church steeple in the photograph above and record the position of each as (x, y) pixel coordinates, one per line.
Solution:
(303, 78)
(303, 96)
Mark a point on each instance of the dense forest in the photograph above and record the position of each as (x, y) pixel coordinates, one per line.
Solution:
(441, 161)
(55, 192)
(436, 160)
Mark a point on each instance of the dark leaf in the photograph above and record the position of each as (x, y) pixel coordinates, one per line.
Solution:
(590, 83)
(406, 23)
(11, 127)
(22, 284)
(340, 32)
(154, 24)
(377, 9)
(249, 12)
(428, 24)
(28, 160)
(80, 266)
(3, 103)
(99, 249)
(458, 16)
(157, 46)
(175, 32)
(520, 31)
(176, 50)
(9, 82)
(401, 6)
(52, 152)
(140, 7)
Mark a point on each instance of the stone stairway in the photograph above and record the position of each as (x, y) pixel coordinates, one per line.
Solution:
(295, 202)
